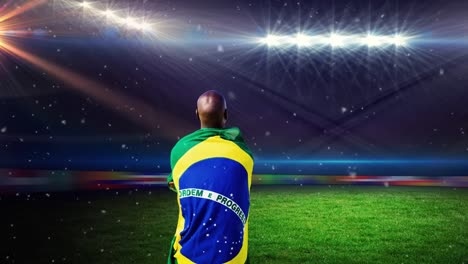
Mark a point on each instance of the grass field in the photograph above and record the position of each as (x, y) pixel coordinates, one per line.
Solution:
(290, 224)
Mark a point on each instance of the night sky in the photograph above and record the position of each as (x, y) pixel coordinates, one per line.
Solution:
(80, 92)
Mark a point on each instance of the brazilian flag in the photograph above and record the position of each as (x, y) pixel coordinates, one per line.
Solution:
(212, 172)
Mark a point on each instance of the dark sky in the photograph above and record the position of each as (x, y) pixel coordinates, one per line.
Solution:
(138, 91)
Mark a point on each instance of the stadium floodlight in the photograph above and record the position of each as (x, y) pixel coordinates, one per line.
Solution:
(336, 40)
(399, 40)
(373, 41)
(130, 22)
(108, 13)
(113, 16)
(301, 40)
(272, 40)
(85, 4)
(145, 26)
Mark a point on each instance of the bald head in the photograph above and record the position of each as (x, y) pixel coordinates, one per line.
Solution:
(211, 110)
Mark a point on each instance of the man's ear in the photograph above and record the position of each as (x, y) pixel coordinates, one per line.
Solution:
(196, 113)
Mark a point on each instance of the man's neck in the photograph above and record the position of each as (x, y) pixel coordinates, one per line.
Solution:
(211, 126)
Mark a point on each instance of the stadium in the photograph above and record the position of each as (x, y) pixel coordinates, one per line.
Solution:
(354, 114)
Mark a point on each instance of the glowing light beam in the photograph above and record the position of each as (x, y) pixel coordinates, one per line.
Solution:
(302, 40)
(272, 40)
(373, 41)
(142, 114)
(399, 40)
(85, 4)
(334, 40)
(23, 8)
(112, 16)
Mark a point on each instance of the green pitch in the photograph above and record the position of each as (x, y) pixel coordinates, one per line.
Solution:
(287, 225)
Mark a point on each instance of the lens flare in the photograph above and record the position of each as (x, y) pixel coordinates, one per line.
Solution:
(373, 41)
(335, 40)
(399, 40)
(22, 9)
(302, 40)
(1, 37)
(8, 13)
(142, 114)
(85, 4)
(115, 17)
(272, 40)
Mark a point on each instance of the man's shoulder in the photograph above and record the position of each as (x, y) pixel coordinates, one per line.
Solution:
(186, 140)
(235, 135)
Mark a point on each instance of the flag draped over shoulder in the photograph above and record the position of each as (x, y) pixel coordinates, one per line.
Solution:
(212, 171)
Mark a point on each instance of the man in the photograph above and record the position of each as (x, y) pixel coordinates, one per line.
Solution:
(211, 173)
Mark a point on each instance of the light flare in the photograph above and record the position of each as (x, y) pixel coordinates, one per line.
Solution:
(22, 9)
(143, 113)
(113, 16)
(272, 40)
(335, 40)
(374, 41)
(302, 40)
(399, 40)
(85, 4)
